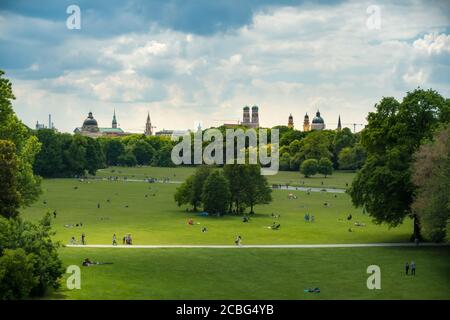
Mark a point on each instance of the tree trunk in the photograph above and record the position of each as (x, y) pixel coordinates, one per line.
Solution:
(416, 234)
(251, 208)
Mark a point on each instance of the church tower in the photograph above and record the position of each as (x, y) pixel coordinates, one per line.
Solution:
(291, 122)
(339, 127)
(306, 126)
(255, 117)
(148, 126)
(114, 120)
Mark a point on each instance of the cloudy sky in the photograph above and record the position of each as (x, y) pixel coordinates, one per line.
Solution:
(201, 61)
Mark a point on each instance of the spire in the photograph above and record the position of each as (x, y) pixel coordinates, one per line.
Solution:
(339, 127)
(114, 121)
(148, 126)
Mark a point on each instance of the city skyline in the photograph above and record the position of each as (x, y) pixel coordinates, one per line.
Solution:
(203, 62)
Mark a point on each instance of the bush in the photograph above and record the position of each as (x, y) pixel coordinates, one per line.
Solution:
(17, 278)
(34, 239)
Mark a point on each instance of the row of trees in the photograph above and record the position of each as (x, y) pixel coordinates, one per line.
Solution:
(29, 263)
(341, 147)
(66, 155)
(230, 190)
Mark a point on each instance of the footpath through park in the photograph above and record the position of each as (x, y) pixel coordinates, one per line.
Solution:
(262, 246)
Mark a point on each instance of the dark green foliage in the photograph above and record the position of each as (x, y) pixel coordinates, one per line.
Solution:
(352, 158)
(9, 196)
(127, 160)
(393, 134)
(216, 194)
(17, 278)
(38, 249)
(325, 167)
(309, 167)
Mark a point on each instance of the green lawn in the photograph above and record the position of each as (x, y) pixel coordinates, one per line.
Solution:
(157, 219)
(339, 179)
(148, 212)
(257, 273)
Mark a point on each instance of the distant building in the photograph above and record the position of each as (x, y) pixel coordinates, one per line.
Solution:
(91, 129)
(172, 133)
(306, 125)
(148, 126)
(339, 126)
(248, 122)
(318, 123)
(290, 122)
(40, 126)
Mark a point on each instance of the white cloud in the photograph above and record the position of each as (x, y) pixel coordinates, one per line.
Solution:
(287, 60)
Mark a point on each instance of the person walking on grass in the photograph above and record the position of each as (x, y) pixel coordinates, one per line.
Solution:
(406, 268)
(413, 268)
(238, 240)
(83, 239)
(114, 240)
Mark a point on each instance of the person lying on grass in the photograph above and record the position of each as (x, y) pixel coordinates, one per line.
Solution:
(87, 263)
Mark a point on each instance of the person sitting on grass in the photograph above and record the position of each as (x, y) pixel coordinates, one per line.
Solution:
(191, 222)
(204, 229)
(245, 219)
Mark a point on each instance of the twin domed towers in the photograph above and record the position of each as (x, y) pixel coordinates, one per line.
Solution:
(254, 121)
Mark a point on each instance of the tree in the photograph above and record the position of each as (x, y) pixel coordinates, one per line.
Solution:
(34, 239)
(235, 173)
(143, 152)
(343, 139)
(309, 167)
(216, 193)
(394, 132)
(127, 160)
(325, 167)
(26, 145)
(49, 162)
(352, 158)
(184, 193)
(113, 149)
(9, 196)
(191, 190)
(95, 159)
(16, 274)
(74, 155)
(257, 190)
(431, 174)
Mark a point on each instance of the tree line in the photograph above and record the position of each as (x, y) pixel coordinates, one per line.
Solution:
(225, 191)
(66, 155)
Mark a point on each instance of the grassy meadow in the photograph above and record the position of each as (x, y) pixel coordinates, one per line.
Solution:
(149, 213)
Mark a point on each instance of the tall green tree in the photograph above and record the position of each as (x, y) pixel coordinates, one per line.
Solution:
(26, 145)
(216, 193)
(325, 167)
(309, 167)
(431, 175)
(394, 132)
(236, 175)
(9, 196)
(257, 189)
